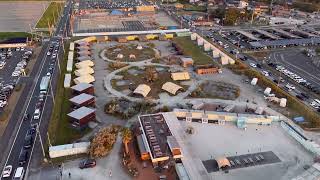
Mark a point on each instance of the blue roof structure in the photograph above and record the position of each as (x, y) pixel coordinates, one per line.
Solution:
(116, 12)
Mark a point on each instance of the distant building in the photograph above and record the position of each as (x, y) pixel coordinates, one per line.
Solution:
(186, 61)
(280, 11)
(285, 21)
(207, 69)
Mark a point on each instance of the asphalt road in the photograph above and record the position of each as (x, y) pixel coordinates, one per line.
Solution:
(12, 141)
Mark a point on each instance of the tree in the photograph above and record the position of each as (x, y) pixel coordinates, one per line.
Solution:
(232, 16)
(151, 74)
(103, 141)
(126, 138)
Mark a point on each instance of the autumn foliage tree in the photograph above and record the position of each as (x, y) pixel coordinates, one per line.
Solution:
(126, 138)
(103, 141)
(151, 74)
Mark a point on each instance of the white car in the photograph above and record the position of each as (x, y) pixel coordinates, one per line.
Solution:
(7, 171)
(16, 73)
(3, 103)
(2, 63)
(290, 87)
(253, 65)
(18, 49)
(48, 53)
(22, 48)
(36, 114)
(54, 56)
(265, 73)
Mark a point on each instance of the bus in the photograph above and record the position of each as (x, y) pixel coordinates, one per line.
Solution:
(44, 84)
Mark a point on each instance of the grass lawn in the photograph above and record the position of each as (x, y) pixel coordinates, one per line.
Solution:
(190, 49)
(8, 35)
(60, 131)
(50, 15)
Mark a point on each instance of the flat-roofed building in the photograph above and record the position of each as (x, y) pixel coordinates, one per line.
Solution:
(158, 138)
(83, 100)
(186, 61)
(80, 117)
(83, 88)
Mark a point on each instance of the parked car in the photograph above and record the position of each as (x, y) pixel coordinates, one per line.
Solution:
(88, 163)
(7, 171)
(253, 65)
(19, 174)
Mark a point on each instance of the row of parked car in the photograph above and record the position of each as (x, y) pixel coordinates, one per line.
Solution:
(19, 69)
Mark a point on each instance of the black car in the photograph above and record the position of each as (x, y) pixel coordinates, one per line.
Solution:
(31, 131)
(23, 157)
(259, 66)
(88, 163)
(28, 142)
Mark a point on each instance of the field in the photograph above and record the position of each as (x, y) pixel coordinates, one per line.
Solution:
(51, 15)
(190, 49)
(20, 16)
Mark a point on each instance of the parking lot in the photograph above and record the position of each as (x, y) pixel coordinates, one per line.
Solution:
(12, 66)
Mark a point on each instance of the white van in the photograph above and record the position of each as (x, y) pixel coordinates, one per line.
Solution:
(19, 173)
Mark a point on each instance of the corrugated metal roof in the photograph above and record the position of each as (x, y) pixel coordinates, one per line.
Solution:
(171, 87)
(81, 86)
(81, 98)
(81, 112)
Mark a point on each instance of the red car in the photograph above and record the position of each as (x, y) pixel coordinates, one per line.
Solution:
(88, 163)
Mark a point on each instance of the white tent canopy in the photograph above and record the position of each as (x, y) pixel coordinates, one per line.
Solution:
(82, 64)
(84, 71)
(143, 90)
(84, 79)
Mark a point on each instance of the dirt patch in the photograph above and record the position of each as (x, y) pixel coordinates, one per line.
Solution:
(217, 90)
(129, 53)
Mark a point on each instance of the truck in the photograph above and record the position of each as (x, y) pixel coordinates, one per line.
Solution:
(44, 84)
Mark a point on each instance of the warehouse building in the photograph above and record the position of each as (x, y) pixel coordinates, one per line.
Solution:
(186, 61)
(83, 100)
(83, 88)
(80, 118)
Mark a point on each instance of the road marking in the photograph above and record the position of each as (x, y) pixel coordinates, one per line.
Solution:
(21, 121)
(40, 120)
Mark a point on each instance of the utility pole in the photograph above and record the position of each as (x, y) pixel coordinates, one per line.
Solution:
(41, 143)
